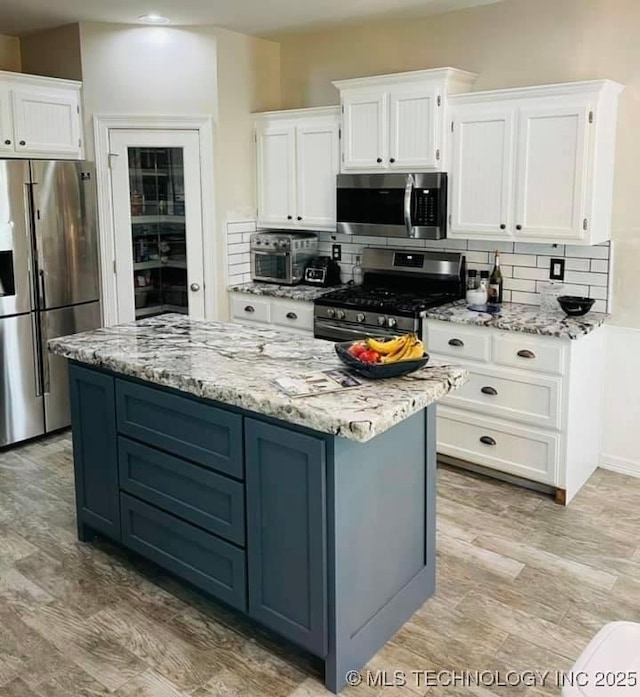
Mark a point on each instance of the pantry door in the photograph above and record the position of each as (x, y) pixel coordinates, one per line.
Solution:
(157, 214)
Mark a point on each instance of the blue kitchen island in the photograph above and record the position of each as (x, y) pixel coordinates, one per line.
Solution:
(313, 516)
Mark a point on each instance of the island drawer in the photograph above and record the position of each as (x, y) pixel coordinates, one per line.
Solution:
(208, 562)
(182, 426)
(509, 394)
(250, 308)
(458, 342)
(524, 452)
(194, 493)
(542, 354)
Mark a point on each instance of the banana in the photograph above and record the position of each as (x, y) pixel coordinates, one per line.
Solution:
(416, 352)
(400, 354)
(385, 348)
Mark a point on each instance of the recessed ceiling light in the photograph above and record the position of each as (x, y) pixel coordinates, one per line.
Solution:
(154, 19)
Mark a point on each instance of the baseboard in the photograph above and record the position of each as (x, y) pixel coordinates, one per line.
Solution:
(620, 465)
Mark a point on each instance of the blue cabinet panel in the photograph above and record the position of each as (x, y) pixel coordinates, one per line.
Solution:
(194, 493)
(286, 533)
(94, 450)
(188, 428)
(213, 565)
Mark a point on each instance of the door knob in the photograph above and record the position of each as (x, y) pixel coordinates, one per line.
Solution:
(195, 287)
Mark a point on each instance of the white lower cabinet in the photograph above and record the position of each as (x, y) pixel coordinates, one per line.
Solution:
(293, 315)
(532, 405)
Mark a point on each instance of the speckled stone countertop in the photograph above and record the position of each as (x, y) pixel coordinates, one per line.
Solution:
(516, 317)
(235, 364)
(299, 292)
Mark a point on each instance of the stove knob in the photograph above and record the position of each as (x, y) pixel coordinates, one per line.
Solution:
(391, 322)
(340, 314)
(382, 321)
(331, 312)
(361, 317)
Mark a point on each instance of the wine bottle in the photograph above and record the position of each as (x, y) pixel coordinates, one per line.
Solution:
(496, 282)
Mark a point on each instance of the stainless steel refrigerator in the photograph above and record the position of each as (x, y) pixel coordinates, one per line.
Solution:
(49, 286)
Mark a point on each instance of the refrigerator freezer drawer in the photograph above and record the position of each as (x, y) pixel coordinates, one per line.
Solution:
(55, 323)
(21, 407)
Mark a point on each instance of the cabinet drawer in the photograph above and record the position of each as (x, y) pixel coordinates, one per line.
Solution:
(194, 493)
(529, 352)
(182, 426)
(251, 308)
(512, 395)
(295, 315)
(458, 341)
(211, 564)
(499, 445)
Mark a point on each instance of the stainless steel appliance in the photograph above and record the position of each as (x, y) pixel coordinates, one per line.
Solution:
(281, 256)
(398, 286)
(323, 272)
(49, 287)
(393, 205)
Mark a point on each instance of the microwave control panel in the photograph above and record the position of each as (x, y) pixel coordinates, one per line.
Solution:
(427, 207)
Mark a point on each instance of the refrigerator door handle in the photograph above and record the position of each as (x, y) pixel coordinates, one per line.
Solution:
(37, 343)
(41, 289)
(44, 357)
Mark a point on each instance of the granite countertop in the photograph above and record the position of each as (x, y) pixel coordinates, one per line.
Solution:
(517, 317)
(299, 292)
(234, 364)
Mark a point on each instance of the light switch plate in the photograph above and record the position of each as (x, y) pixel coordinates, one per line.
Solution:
(556, 270)
(336, 252)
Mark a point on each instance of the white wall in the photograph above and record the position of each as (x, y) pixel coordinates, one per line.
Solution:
(10, 53)
(621, 435)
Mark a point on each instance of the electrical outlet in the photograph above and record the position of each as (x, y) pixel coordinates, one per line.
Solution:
(336, 252)
(556, 270)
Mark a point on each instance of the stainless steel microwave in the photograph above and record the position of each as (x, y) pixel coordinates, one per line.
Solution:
(279, 256)
(393, 205)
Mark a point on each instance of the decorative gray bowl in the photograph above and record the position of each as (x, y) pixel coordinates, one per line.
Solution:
(376, 371)
(574, 305)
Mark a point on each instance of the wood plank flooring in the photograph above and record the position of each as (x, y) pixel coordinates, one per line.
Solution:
(523, 584)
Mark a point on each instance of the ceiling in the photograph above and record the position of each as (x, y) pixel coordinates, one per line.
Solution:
(260, 17)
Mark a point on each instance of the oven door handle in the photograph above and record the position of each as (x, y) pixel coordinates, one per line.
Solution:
(334, 331)
(408, 196)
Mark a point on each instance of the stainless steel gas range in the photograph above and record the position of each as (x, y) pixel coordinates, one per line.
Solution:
(398, 285)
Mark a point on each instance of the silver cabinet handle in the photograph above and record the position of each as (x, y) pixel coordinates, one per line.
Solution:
(525, 353)
(490, 391)
(456, 342)
(292, 315)
(249, 308)
(195, 287)
(488, 440)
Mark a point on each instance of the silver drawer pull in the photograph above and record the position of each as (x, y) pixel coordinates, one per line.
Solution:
(490, 391)
(249, 308)
(525, 353)
(456, 342)
(292, 315)
(488, 440)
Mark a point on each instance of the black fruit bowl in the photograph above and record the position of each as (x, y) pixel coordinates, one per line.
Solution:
(574, 305)
(376, 371)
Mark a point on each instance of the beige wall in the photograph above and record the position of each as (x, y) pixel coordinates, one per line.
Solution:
(10, 53)
(517, 42)
(53, 52)
(188, 71)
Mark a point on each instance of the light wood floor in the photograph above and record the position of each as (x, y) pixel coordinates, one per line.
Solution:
(522, 585)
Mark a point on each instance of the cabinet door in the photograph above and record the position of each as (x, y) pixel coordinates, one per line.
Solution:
(318, 148)
(276, 176)
(365, 141)
(413, 139)
(482, 171)
(6, 122)
(551, 177)
(286, 533)
(95, 449)
(47, 122)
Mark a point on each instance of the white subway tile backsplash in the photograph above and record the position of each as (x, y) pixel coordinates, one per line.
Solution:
(588, 279)
(476, 258)
(573, 264)
(241, 226)
(520, 284)
(600, 251)
(552, 250)
(600, 306)
(479, 246)
(531, 274)
(526, 298)
(598, 292)
(517, 259)
(600, 265)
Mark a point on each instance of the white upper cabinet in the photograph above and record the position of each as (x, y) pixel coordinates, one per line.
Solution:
(6, 122)
(483, 159)
(534, 164)
(40, 117)
(397, 122)
(46, 121)
(297, 162)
